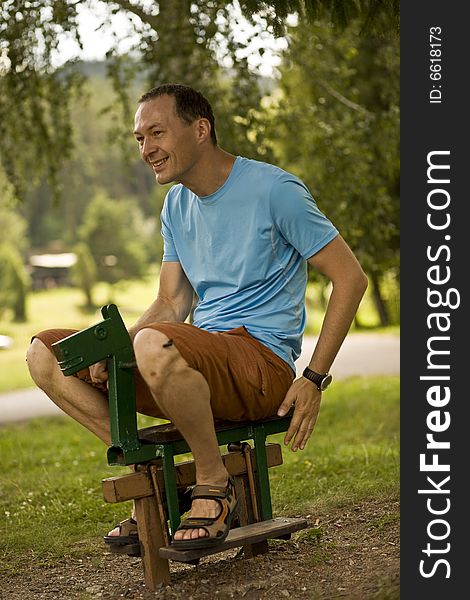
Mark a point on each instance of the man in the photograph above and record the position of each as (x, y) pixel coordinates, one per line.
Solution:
(238, 233)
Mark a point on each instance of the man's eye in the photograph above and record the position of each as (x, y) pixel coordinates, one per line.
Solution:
(157, 132)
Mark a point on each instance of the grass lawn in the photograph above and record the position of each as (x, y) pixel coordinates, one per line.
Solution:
(51, 505)
(62, 307)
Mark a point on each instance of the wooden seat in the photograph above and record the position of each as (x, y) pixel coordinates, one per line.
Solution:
(158, 482)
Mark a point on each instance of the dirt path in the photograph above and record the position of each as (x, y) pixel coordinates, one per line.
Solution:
(356, 558)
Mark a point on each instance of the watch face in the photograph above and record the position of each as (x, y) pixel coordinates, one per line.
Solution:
(326, 382)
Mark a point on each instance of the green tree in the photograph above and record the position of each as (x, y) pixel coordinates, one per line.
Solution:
(14, 278)
(336, 124)
(14, 281)
(113, 230)
(96, 163)
(379, 16)
(84, 272)
(180, 40)
(34, 95)
(13, 227)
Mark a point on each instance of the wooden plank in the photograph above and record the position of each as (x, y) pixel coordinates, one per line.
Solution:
(246, 515)
(139, 485)
(160, 505)
(234, 463)
(127, 487)
(151, 536)
(250, 534)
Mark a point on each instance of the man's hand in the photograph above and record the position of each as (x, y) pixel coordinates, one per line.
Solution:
(99, 372)
(306, 397)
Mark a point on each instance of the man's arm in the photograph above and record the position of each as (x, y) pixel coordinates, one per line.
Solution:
(174, 298)
(338, 263)
(173, 303)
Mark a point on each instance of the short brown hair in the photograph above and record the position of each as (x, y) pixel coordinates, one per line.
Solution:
(190, 104)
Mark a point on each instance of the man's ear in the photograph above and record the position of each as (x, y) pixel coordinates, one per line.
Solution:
(203, 130)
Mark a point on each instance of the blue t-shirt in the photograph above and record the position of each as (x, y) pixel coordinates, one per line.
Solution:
(244, 250)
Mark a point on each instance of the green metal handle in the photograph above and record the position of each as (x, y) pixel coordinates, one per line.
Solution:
(108, 340)
(98, 342)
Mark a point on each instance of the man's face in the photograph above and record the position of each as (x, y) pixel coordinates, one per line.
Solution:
(166, 142)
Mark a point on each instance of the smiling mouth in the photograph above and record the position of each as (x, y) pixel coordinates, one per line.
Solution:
(158, 163)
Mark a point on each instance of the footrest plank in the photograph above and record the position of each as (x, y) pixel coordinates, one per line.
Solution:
(249, 534)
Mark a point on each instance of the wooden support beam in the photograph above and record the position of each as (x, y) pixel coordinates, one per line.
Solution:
(127, 487)
(152, 538)
(139, 484)
(246, 515)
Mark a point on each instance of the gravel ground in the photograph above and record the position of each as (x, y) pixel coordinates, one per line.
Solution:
(356, 558)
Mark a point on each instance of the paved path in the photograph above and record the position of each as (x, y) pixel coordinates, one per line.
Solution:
(361, 354)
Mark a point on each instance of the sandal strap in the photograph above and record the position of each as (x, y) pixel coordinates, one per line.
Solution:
(128, 527)
(195, 522)
(213, 492)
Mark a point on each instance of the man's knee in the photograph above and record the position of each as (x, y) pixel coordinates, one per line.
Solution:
(158, 360)
(41, 362)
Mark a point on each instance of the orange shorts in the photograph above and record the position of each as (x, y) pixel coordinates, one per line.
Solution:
(246, 379)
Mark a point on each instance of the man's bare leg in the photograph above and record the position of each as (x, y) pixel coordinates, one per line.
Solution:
(77, 398)
(184, 397)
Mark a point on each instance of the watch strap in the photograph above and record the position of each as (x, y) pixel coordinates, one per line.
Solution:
(314, 377)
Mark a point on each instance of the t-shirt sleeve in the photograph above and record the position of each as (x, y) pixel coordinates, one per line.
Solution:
(169, 250)
(297, 217)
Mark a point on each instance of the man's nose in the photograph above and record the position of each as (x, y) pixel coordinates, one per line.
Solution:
(149, 147)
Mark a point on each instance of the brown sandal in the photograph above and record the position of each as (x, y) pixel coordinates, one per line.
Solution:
(128, 533)
(127, 542)
(217, 528)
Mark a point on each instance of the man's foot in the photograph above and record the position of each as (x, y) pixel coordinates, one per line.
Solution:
(124, 538)
(199, 508)
(212, 511)
(124, 528)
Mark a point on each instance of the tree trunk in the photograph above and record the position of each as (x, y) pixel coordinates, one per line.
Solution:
(379, 302)
(21, 292)
(19, 309)
(89, 297)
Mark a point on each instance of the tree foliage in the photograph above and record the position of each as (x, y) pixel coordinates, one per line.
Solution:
(13, 227)
(113, 231)
(334, 121)
(35, 96)
(14, 281)
(84, 272)
(378, 16)
(95, 164)
(336, 124)
(180, 40)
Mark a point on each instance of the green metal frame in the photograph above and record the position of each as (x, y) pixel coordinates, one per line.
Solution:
(109, 340)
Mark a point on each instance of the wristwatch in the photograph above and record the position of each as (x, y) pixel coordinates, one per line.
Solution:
(322, 381)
